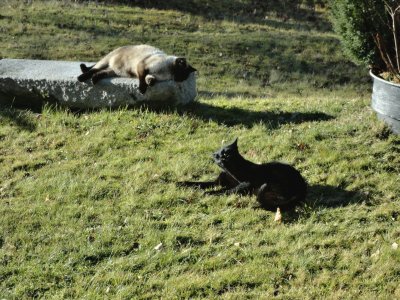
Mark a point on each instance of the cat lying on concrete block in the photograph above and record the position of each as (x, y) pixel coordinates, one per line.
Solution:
(144, 62)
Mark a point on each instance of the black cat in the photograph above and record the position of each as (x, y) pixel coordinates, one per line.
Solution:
(275, 184)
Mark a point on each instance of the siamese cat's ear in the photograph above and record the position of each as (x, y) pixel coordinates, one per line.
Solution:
(181, 69)
(182, 64)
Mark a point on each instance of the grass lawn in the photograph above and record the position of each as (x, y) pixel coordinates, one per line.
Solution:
(85, 197)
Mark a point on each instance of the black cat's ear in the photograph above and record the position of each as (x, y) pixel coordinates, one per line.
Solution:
(234, 144)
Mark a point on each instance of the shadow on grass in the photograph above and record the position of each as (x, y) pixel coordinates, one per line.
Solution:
(324, 196)
(239, 116)
(282, 57)
(18, 117)
(228, 95)
(254, 11)
(329, 196)
(18, 114)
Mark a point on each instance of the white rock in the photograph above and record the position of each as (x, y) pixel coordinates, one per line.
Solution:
(159, 247)
(278, 216)
(375, 254)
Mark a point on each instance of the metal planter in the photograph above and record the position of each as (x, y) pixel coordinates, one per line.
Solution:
(386, 101)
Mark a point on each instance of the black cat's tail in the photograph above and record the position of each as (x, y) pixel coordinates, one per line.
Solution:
(200, 185)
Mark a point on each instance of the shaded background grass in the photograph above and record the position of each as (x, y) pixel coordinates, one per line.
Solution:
(86, 196)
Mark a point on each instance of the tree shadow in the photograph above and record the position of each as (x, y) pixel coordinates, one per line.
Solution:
(238, 116)
(228, 95)
(254, 11)
(281, 57)
(16, 112)
(19, 116)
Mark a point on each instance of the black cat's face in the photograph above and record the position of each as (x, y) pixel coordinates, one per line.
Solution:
(182, 69)
(226, 154)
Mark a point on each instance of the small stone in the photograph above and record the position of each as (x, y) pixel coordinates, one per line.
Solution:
(375, 254)
(395, 246)
(159, 247)
(237, 244)
(278, 216)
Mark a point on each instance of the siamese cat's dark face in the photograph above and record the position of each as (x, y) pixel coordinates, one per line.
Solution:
(227, 155)
(182, 69)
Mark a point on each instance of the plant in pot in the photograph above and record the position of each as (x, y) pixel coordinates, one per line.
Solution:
(370, 33)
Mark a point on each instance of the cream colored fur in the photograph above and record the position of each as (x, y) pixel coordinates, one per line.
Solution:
(125, 61)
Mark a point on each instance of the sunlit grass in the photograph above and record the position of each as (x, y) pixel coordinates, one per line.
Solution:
(85, 197)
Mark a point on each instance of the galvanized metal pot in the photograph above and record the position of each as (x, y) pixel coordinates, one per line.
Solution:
(386, 101)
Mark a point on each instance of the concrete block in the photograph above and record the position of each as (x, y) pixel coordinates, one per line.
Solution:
(34, 81)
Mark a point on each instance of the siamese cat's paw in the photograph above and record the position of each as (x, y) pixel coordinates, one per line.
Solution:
(150, 80)
(84, 68)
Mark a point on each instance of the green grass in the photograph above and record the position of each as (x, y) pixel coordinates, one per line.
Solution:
(86, 196)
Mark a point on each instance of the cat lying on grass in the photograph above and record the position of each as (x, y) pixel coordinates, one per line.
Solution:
(275, 184)
(144, 62)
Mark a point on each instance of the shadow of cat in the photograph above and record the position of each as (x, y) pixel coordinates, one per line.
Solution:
(239, 116)
(324, 196)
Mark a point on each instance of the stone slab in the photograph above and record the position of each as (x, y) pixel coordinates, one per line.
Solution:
(34, 81)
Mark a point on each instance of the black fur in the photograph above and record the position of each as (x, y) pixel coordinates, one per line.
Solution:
(87, 72)
(84, 68)
(182, 69)
(275, 184)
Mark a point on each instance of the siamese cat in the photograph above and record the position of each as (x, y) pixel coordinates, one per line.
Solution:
(275, 184)
(144, 62)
